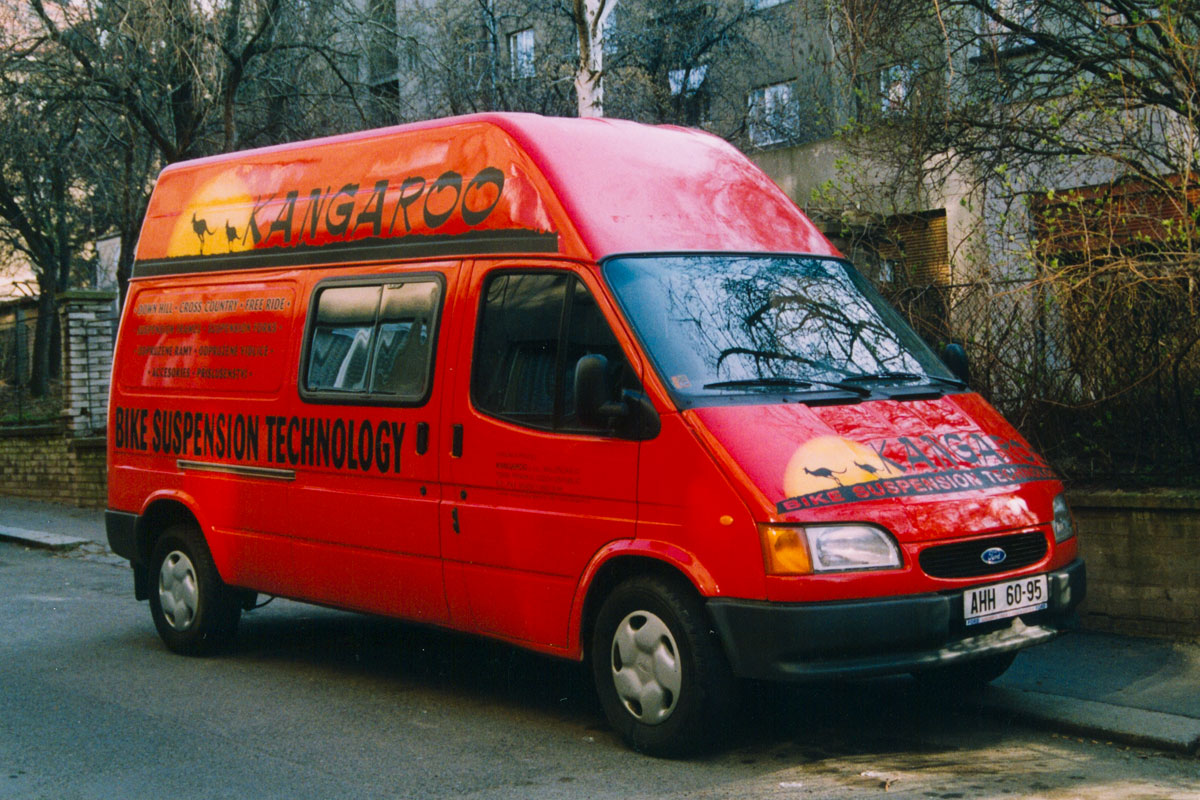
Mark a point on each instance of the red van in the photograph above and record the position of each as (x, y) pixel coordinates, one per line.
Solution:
(594, 388)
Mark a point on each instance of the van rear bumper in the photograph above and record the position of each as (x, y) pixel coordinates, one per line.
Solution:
(880, 636)
(121, 527)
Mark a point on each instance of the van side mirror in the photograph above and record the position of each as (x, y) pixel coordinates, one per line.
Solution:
(955, 356)
(632, 416)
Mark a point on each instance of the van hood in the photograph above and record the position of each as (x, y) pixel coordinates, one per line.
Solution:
(950, 466)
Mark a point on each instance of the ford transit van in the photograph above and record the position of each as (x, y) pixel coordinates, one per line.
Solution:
(590, 387)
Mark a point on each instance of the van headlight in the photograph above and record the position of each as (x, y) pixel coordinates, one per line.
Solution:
(802, 550)
(1064, 526)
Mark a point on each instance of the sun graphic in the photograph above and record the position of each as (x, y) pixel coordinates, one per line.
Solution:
(214, 219)
(831, 461)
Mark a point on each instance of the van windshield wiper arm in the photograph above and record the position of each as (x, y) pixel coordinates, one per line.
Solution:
(787, 383)
(892, 375)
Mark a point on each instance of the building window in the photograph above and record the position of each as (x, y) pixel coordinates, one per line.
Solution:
(1083, 224)
(895, 87)
(687, 81)
(410, 50)
(771, 114)
(689, 97)
(998, 35)
(1016, 12)
(520, 53)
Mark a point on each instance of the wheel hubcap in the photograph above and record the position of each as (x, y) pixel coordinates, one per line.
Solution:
(645, 667)
(177, 591)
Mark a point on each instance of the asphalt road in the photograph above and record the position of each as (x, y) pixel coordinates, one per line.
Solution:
(315, 703)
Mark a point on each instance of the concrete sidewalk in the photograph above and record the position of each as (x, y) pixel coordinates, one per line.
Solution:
(1134, 690)
(1143, 692)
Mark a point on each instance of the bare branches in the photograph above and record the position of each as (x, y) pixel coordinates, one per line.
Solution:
(96, 97)
(1071, 132)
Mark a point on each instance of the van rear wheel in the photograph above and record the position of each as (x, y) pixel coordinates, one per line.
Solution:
(662, 678)
(194, 612)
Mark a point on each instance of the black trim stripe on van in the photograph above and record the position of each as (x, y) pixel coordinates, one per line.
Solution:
(242, 470)
(369, 249)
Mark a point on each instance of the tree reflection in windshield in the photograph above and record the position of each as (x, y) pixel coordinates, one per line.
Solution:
(746, 322)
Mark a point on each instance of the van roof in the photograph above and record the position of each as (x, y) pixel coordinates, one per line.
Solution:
(485, 183)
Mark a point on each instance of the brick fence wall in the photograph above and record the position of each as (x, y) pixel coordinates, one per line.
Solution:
(64, 461)
(41, 463)
(1143, 557)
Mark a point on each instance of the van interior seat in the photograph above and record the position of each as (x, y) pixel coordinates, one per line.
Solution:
(528, 388)
(402, 368)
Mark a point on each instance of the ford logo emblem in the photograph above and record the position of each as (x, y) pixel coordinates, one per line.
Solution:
(993, 555)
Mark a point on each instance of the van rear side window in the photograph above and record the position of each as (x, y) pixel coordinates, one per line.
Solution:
(372, 342)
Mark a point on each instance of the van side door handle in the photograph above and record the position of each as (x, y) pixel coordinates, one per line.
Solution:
(456, 441)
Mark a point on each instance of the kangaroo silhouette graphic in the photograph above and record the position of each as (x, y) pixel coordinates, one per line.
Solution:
(200, 226)
(826, 462)
(231, 235)
(825, 472)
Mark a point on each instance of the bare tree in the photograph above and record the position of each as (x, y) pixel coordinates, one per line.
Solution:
(688, 62)
(189, 80)
(590, 17)
(1072, 129)
(469, 56)
(97, 96)
(679, 61)
(48, 212)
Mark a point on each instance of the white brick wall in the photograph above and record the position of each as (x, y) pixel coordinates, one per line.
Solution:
(89, 322)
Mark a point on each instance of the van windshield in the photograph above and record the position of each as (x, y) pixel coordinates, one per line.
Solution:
(716, 325)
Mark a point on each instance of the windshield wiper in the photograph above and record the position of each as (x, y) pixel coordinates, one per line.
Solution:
(892, 375)
(792, 383)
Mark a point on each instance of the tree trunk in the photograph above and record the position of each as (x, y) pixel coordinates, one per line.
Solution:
(39, 379)
(589, 76)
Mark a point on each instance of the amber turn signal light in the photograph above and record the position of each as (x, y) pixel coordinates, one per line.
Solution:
(785, 550)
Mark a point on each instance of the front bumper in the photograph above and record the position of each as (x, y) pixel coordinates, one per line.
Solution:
(880, 636)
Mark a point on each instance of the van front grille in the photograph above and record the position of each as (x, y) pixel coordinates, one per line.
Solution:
(965, 559)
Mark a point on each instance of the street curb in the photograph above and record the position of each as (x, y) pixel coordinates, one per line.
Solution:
(45, 541)
(1132, 726)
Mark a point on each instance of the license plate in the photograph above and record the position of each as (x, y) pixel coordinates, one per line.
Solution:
(1009, 599)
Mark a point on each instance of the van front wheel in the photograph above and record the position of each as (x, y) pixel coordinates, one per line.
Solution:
(662, 679)
(194, 611)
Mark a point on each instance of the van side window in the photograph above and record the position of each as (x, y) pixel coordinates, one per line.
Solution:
(533, 329)
(372, 342)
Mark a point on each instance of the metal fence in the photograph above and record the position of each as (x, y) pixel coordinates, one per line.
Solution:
(18, 406)
(1103, 376)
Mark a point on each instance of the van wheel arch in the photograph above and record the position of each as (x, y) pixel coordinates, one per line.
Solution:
(613, 574)
(158, 516)
(151, 523)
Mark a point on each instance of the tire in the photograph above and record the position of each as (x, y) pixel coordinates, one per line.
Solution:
(194, 611)
(969, 676)
(660, 673)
